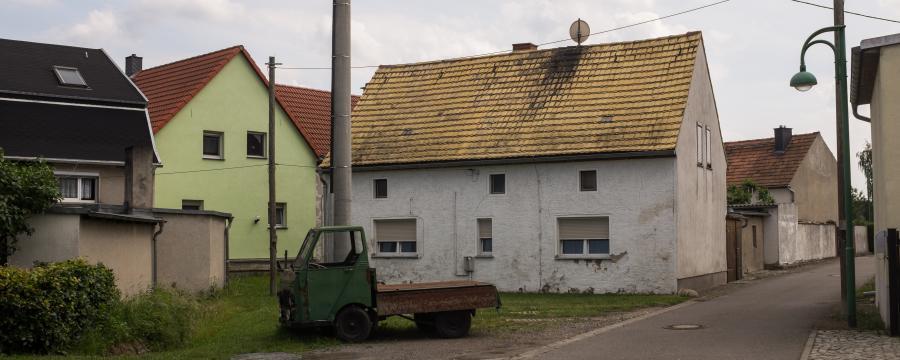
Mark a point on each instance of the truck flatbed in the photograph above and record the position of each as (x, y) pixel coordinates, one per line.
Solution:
(430, 297)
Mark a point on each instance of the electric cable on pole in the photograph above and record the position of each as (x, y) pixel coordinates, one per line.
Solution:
(273, 221)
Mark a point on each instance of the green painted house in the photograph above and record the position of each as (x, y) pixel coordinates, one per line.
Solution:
(209, 114)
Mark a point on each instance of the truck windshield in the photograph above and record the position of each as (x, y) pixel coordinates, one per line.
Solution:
(305, 249)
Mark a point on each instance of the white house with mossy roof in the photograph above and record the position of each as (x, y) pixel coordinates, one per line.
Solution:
(577, 169)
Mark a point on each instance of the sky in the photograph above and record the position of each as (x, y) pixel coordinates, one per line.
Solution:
(753, 46)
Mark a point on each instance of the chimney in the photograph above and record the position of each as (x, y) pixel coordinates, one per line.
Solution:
(782, 139)
(524, 47)
(133, 65)
(138, 178)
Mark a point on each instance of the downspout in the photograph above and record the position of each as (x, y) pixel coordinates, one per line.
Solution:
(153, 259)
(792, 193)
(456, 240)
(323, 206)
(858, 116)
(540, 219)
(228, 222)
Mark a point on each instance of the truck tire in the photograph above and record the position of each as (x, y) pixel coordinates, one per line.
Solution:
(352, 324)
(424, 322)
(452, 324)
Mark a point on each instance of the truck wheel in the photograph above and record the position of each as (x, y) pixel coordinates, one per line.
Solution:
(424, 322)
(352, 324)
(452, 324)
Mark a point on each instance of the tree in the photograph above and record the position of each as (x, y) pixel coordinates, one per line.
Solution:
(26, 189)
(865, 164)
(861, 206)
(743, 194)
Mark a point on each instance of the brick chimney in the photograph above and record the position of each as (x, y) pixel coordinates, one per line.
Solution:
(133, 65)
(782, 139)
(524, 47)
(138, 178)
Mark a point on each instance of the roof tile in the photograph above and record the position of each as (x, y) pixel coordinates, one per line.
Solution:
(756, 160)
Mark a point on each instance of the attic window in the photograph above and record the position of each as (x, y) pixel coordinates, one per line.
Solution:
(69, 76)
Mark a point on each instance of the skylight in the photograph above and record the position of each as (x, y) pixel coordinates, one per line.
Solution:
(69, 76)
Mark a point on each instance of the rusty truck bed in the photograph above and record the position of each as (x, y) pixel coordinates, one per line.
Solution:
(396, 299)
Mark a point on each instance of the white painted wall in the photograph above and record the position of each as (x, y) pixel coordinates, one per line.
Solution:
(795, 242)
(636, 194)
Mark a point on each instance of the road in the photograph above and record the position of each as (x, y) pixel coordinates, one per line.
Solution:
(764, 319)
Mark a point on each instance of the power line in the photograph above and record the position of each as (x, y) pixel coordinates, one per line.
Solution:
(848, 12)
(225, 168)
(542, 44)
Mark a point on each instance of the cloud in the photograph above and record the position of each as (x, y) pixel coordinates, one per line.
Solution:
(195, 10)
(101, 26)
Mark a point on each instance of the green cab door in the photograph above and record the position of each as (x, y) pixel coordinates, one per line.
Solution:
(344, 280)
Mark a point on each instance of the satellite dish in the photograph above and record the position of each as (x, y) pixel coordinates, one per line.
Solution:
(579, 31)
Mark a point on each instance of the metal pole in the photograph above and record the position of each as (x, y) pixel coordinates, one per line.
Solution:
(340, 117)
(273, 236)
(840, 64)
(840, 237)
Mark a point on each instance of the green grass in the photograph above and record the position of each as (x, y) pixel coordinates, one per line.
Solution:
(242, 318)
(867, 315)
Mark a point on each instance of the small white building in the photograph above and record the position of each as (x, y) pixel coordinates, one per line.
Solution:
(577, 169)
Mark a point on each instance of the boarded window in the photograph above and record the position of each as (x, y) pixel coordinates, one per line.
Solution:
(584, 235)
(708, 149)
(588, 180)
(498, 183)
(485, 236)
(380, 188)
(699, 144)
(396, 236)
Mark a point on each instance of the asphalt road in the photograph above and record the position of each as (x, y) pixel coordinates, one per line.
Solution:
(764, 319)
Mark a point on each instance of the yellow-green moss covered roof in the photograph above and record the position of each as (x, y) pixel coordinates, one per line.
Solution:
(619, 97)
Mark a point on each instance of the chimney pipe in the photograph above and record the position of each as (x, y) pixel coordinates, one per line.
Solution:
(782, 139)
(524, 47)
(133, 65)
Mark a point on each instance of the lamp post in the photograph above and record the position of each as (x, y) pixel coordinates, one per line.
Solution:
(804, 81)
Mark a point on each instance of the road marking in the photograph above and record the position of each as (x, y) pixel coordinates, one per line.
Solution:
(547, 348)
(809, 344)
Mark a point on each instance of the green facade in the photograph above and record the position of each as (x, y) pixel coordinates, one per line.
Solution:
(233, 103)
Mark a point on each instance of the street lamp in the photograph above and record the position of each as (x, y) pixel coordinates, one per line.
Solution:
(804, 81)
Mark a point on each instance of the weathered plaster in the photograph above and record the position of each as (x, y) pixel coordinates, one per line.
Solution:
(815, 185)
(752, 252)
(112, 180)
(191, 251)
(124, 247)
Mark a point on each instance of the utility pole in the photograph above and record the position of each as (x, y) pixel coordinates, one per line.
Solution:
(341, 133)
(273, 236)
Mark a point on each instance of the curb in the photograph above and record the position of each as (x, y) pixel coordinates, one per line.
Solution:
(550, 347)
(809, 344)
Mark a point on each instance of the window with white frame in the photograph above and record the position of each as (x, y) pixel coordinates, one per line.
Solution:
(699, 144)
(213, 145)
(497, 183)
(485, 237)
(280, 215)
(583, 236)
(380, 188)
(396, 237)
(708, 147)
(76, 187)
(191, 204)
(587, 180)
(256, 144)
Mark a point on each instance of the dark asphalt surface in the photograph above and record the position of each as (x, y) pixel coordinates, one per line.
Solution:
(764, 319)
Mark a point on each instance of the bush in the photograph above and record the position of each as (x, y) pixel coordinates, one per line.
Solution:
(49, 307)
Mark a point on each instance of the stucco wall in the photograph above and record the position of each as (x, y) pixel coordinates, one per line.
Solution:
(771, 230)
(234, 102)
(190, 251)
(55, 238)
(112, 180)
(799, 242)
(752, 252)
(636, 194)
(700, 192)
(815, 185)
(124, 247)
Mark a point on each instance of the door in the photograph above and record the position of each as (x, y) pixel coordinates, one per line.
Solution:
(733, 248)
(330, 286)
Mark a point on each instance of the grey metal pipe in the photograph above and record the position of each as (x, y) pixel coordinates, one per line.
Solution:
(153, 259)
(340, 117)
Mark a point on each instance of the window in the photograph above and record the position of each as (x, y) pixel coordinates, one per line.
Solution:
(256, 144)
(754, 236)
(396, 237)
(498, 183)
(485, 237)
(708, 152)
(583, 236)
(588, 180)
(380, 188)
(699, 144)
(280, 215)
(191, 204)
(69, 76)
(213, 145)
(77, 187)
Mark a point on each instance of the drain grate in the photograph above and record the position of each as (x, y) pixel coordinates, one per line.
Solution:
(683, 327)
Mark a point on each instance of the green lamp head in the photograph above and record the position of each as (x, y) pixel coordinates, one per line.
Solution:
(803, 80)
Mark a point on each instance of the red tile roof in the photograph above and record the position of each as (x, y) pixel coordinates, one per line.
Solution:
(756, 160)
(310, 110)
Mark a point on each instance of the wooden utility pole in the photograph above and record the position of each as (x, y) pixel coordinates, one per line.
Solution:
(840, 234)
(273, 221)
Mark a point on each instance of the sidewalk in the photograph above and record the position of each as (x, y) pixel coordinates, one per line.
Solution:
(851, 345)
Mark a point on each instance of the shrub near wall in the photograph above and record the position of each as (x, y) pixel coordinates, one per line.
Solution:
(49, 307)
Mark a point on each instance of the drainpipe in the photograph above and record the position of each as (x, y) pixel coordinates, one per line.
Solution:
(153, 252)
(792, 193)
(228, 223)
(323, 206)
(858, 116)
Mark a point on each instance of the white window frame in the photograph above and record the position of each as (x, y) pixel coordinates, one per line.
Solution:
(596, 180)
(62, 81)
(198, 203)
(281, 223)
(490, 184)
(700, 152)
(375, 189)
(265, 145)
(221, 137)
(584, 247)
(708, 148)
(479, 239)
(80, 176)
(399, 253)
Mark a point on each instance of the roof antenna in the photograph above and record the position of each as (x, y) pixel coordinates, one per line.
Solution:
(579, 31)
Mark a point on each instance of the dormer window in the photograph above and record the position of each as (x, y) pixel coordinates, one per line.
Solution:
(69, 76)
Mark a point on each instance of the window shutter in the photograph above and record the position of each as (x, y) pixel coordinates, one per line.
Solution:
(484, 228)
(584, 228)
(395, 230)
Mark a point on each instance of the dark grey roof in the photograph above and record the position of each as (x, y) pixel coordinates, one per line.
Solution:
(26, 70)
(864, 65)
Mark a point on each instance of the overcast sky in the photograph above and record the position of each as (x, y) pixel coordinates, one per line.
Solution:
(753, 46)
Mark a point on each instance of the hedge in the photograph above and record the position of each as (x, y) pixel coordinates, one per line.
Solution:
(49, 307)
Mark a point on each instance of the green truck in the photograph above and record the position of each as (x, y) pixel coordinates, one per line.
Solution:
(345, 295)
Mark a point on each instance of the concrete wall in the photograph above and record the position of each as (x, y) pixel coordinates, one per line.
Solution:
(112, 180)
(701, 203)
(752, 252)
(815, 185)
(636, 194)
(885, 111)
(55, 238)
(190, 251)
(789, 240)
(860, 240)
(124, 247)
(771, 226)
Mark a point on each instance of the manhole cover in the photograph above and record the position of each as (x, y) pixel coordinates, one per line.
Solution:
(684, 327)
